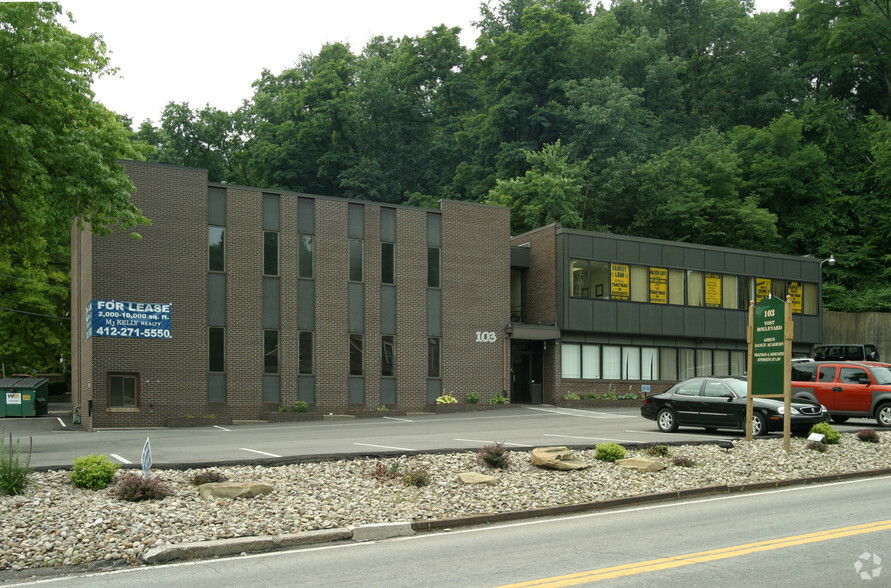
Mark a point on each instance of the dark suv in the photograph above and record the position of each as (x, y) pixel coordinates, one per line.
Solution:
(846, 352)
(849, 389)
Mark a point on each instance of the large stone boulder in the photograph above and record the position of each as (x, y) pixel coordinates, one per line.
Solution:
(641, 464)
(233, 489)
(477, 478)
(556, 458)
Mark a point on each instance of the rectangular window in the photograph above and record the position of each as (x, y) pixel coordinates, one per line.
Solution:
(659, 285)
(578, 271)
(746, 292)
(778, 289)
(433, 269)
(388, 355)
(571, 362)
(686, 363)
(217, 349)
(704, 362)
(600, 280)
(738, 362)
(355, 354)
(270, 351)
(612, 362)
(809, 299)
(122, 391)
(721, 363)
(731, 292)
(676, 287)
(649, 363)
(304, 353)
(631, 363)
(620, 282)
(216, 250)
(695, 294)
(270, 253)
(388, 263)
(591, 362)
(668, 363)
(356, 260)
(713, 290)
(640, 287)
(433, 357)
(304, 256)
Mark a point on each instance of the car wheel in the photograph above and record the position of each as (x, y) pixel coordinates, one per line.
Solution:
(839, 419)
(759, 424)
(667, 421)
(883, 415)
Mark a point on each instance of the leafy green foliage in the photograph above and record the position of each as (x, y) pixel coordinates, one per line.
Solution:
(417, 478)
(134, 487)
(472, 398)
(658, 451)
(300, 406)
(609, 452)
(499, 399)
(93, 472)
(494, 455)
(446, 399)
(830, 435)
(571, 396)
(15, 471)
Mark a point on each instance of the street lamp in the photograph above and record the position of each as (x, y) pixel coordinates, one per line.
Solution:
(831, 261)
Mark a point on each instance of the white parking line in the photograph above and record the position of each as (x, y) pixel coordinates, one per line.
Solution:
(487, 442)
(592, 438)
(674, 434)
(401, 420)
(260, 452)
(119, 458)
(385, 447)
(221, 428)
(61, 422)
(587, 414)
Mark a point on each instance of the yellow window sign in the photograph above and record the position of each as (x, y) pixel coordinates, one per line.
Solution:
(713, 290)
(762, 289)
(658, 285)
(794, 291)
(620, 283)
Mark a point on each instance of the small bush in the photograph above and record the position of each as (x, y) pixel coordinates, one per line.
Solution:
(868, 436)
(383, 408)
(134, 487)
(283, 408)
(817, 446)
(382, 474)
(300, 406)
(446, 399)
(494, 455)
(629, 396)
(830, 435)
(208, 477)
(15, 474)
(591, 396)
(499, 399)
(571, 396)
(472, 398)
(416, 478)
(93, 472)
(609, 452)
(658, 451)
(683, 461)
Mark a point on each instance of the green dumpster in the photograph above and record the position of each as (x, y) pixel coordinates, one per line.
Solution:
(23, 397)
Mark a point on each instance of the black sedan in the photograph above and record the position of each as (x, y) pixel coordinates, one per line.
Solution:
(720, 403)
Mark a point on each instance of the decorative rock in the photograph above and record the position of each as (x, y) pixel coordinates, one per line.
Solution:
(477, 478)
(641, 464)
(556, 458)
(233, 489)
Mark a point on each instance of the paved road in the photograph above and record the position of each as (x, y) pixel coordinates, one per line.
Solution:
(56, 442)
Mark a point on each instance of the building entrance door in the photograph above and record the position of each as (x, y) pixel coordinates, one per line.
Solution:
(526, 372)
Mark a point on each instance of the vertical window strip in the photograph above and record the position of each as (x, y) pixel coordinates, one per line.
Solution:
(356, 354)
(270, 352)
(433, 267)
(355, 260)
(305, 256)
(388, 356)
(305, 353)
(217, 349)
(216, 249)
(270, 253)
(433, 357)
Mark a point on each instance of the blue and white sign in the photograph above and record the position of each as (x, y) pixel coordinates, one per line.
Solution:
(142, 320)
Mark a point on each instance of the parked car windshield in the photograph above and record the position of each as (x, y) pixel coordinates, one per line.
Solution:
(739, 387)
(882, 375)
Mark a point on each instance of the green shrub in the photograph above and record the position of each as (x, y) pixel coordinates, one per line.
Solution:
(658, 451)
(472, 398)
(817, 446)
(446, 399)
(591, 396)
(300, 406)
(494, 455)
(283, 408)
(830, 435)
(416, 478)
(382, 473)
(629, 396)
(383, 408)
(868, 436)
(683, 461)
(208, 477)
(15, 474)
(609, 452)
(571, 396)
(499, 399)
(93, 472)
(135, 487)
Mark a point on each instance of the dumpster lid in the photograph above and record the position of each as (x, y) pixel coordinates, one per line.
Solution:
(29, 383)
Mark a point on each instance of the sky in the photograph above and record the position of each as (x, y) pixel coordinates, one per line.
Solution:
(204, 52)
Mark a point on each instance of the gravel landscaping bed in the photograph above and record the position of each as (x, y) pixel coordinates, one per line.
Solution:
(55, 524)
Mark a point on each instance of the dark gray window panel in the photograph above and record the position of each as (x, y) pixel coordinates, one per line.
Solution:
(388, 224)
(216, 387)
(651, 318)
(388, 263)
(388, 356)
(434, 230)
(603, 248)
(306, 389)
(270, 212)
(216, 206)
(271, 351)
(714, 323)
(434, 312)
(628, 251)
(673, 256)
(356, 259)
(792, 270)
(271, 303)
(216, 300)
(650, 254)
(217, 349)
(270, 253)
(715, 261)
(673, 320)
(306, 305)
(734, 263)
(305, 354)
(356, 221)
(754, 266)
(271, 389)
(388, 310)
(434, 390)
(357, 390)
(773, 267)
(356, 308)
(388, 391)
(434, 267)
(628, 315)
(694, 322)
(694, 259)
(357, 357)
(306, 216)
(581, 246)
(216, 249)
(305, 257)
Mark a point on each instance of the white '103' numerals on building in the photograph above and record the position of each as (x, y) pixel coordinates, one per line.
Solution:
(486, 337)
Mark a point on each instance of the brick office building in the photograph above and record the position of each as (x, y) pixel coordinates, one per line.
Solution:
(273, 297)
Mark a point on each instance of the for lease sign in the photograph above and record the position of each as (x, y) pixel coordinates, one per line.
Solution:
(115, 318)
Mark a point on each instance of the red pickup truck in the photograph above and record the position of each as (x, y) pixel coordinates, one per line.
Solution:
(848, 389)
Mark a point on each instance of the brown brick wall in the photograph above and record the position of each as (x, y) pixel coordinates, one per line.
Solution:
(541, 285)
